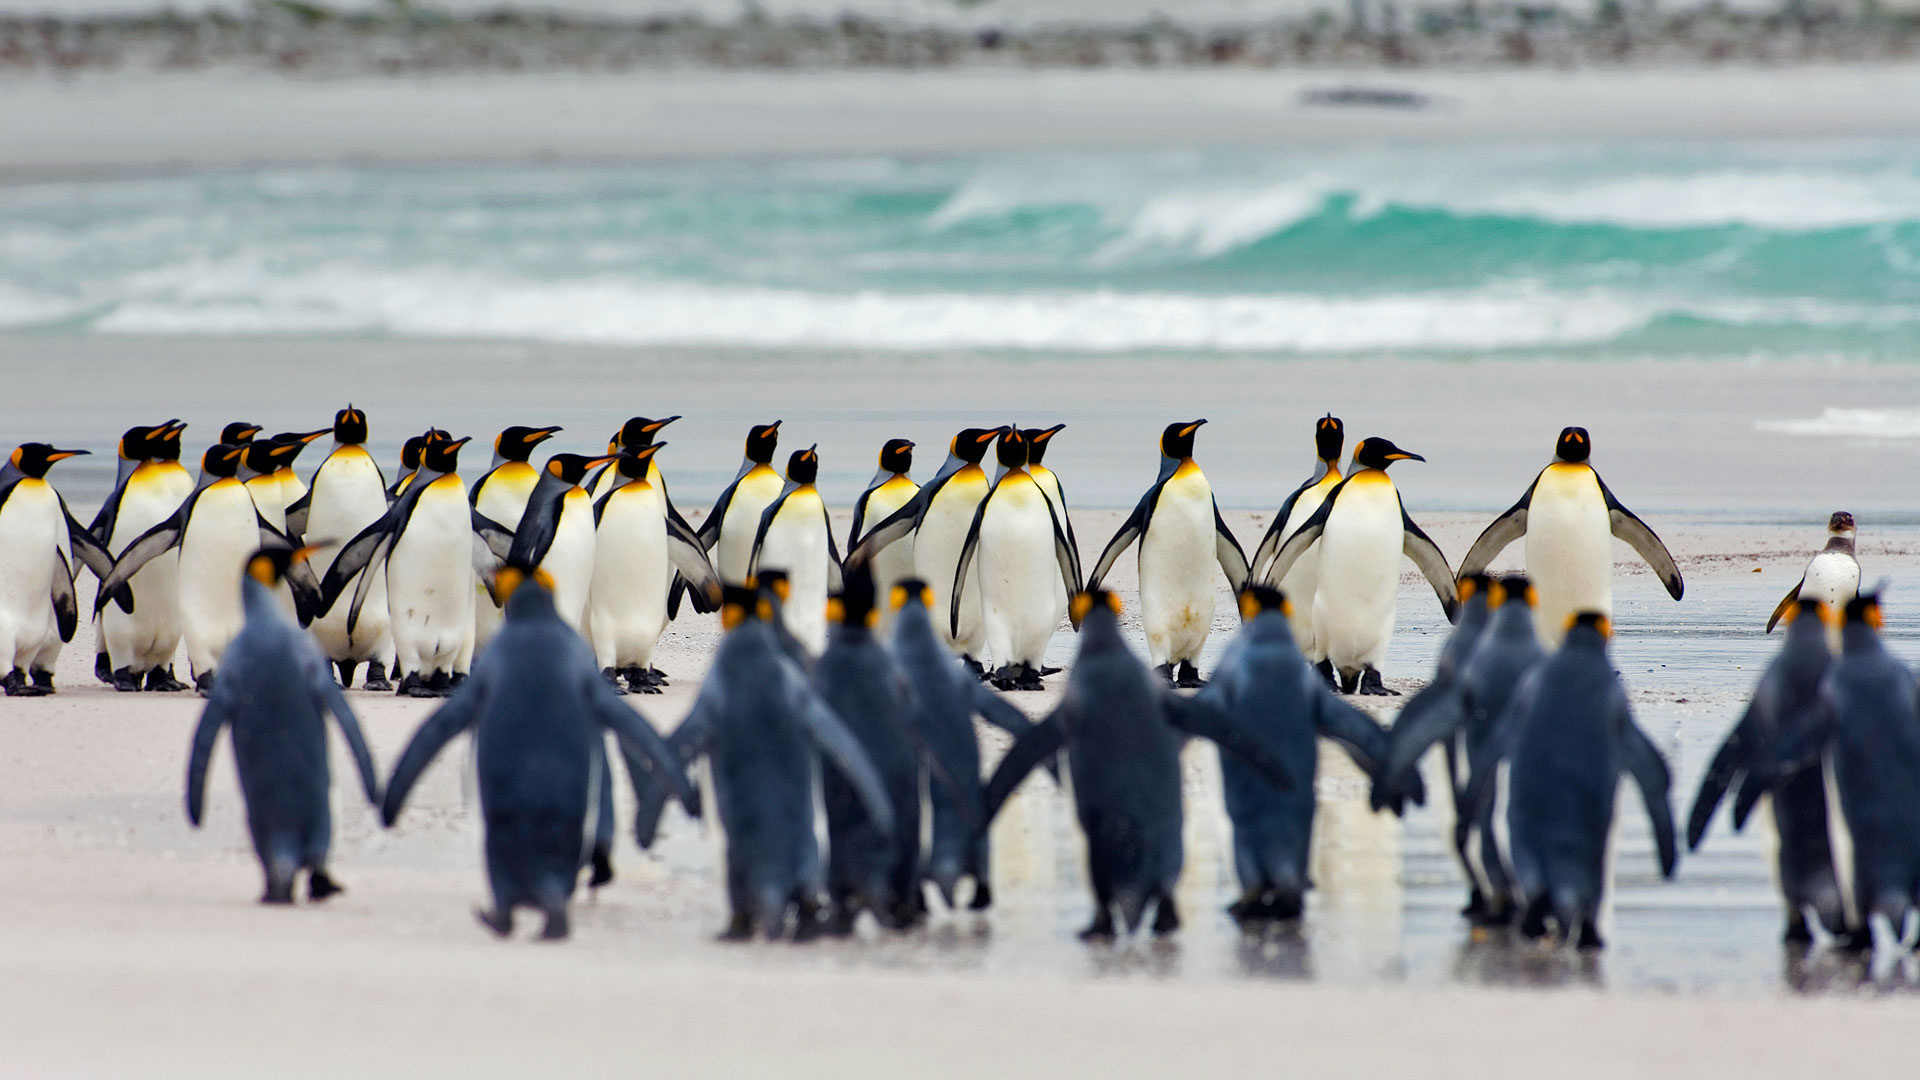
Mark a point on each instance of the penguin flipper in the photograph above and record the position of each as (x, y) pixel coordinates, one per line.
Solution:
(1041, 743)
(1432, 563)
(1066, 553)
(1786, 604)
(87, 549)
(1729, 763)
(1433, 714)
(219, 710)
(766, 522)
(103, 521)
(1796, 746)
(688, 742)
(66, 608)
(638, 738)
(1233, 561)
(695, 570)
(450, 719)
(1066, 522)
(1365, 741)
(1627, 526)
(710, 528)
(357, 554)
(1130, 530)
(142, 550)
(859, 517)
(1649, 771)
(844, 752)
(997, 711)
(1276, 533)
(964, 564)
(535, 533)
(297, 512)
(897, 525)
(320, 682)
(1196, 716)
(1504, 530)
(1303, 537)
(836, 579)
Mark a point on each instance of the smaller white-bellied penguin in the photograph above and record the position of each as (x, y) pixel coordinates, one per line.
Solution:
(1832, 576)
(1570, 520)
(1017, 556)
(501, 495)
(348, 494)
(216, 530)
(1362, 528)
(555, 534)
(795, 536)
(135, 648)
(735, 518)
(1302, 580)
(275, 692)
(38, 610)
(938, 517)
(1182, 537)
(638, 550)
(889, 490)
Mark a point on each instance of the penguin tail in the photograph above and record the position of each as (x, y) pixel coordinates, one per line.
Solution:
(1132, 905)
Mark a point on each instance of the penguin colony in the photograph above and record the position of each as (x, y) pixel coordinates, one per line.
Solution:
(845, 688)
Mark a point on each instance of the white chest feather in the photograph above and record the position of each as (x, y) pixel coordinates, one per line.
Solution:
(31, 531)
(751, 497)
(1569, 547)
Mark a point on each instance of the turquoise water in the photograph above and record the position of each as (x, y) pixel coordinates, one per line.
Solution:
(1698, 250)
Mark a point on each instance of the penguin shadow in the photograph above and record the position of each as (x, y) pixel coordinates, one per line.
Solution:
(1275, 950)
(1502, 957)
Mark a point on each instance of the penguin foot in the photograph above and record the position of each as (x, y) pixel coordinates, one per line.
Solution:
(17, 684)
(557, 927)
(499, 921)
(1166, 917)
(1855, 941)
(43, 680)
(320, 886)
(1533, 926)
(1165, 671)
(345, 668)
(602, 868)
(162, 680)
(1325, 668)
(1025, 678)
(979, 669)
(1100, 929)
(1371, 684)
(377, 677)
(103, 668)
(126, 682)
(1476, 904)
(1348, 683)
(1589, 937)
(444, 682)
(982, 896)
(1189, 677)
(612, 675)
(1797, 932)
(656, 676)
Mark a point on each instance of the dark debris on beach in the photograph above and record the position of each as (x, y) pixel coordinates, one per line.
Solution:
(294, 36)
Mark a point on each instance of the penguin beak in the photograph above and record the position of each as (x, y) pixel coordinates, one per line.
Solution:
(599, 461)
(658, 424)
(989, 436)
(306, 437)
(646, 451)
(540, 435)
(62, 455)
(775, 426)
(460, 442)
(1191, 428)
(1402, 455)
(174, 429)
(1050, 433)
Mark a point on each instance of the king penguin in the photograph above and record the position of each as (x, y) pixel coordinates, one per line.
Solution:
(261, 468)
(1024, 565)
(1564, 743)
(409, 464)
(348, 494)
(1182, 537)
(275, 692)
(1832, 576)
(501, 495)
(938, 517)
(889, 490)
(1122, 731)
(1570, 521)
(38, 610)
(294, 491)
(1363, 529)
(735, 518)
(1302, 581)
(139, 645)
(1445, 684)
(540, 714)
(638, 433)
(216, 530)
(796, 536)
(556, 533)
(638, 549)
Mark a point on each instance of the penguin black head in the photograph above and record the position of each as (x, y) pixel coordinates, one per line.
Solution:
(300, 440)
(762, 441)
(1575, 445)
(222, 459)
(239, 433)
(442, 456)
(139, 443)
(897, 456)
(1864, 608)
(1378, 453)
(1037, 440)
(1093, 601)
(435, 435)
(269, 565)
(803, 466)
(971, 444)
(35, 458)
(1806, 607)
(167, 447)
(265, 456)
(1256, 600)
(853, 605)
(1512, 588)
(410, 452)
(633, 463)
(524, 591)
(350, 426)
(740, 603)
(1598, 624)
(1329, 438)
(573, 468)
(517, 443)
(1472, 585)
(774, 584)
(1841, 523)
(1012, 448)
(1177, 441)
(909, 589)
(639, 431)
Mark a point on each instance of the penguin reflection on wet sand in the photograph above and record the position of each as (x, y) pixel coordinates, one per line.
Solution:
(1786, 694)
(275, 691)
(539, 712)
(1182, 537)
(1019, 559)
(1122, 730)
(1832, 576)
(1570, 520)
(1268, 687)
(1362, 528)
(1562, 746)
(38, 609)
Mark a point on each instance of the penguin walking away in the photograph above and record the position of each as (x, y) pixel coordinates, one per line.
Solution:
(216, 531)
(555, 533)
(1363, 529)
(348, 494)
(1462, 714)
(938, 517)
(889, 490)
(734, 520)
(1864, 740)
(540, 713)
(1570, 520)
(1566, 739)
(1122, 730)
(501, 495)
(638, 550)
(275, 692)
(1302, 581)
(1182, 537)
(136, 647)
(1015, 555)
(867, 867)
(38, 610)
(946, 698)
(431, 544)
(1782, 701)
(1832, 576)
(1267, 687)
(795, 536)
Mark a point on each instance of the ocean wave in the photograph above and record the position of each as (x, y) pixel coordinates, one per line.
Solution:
(1850, 423)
